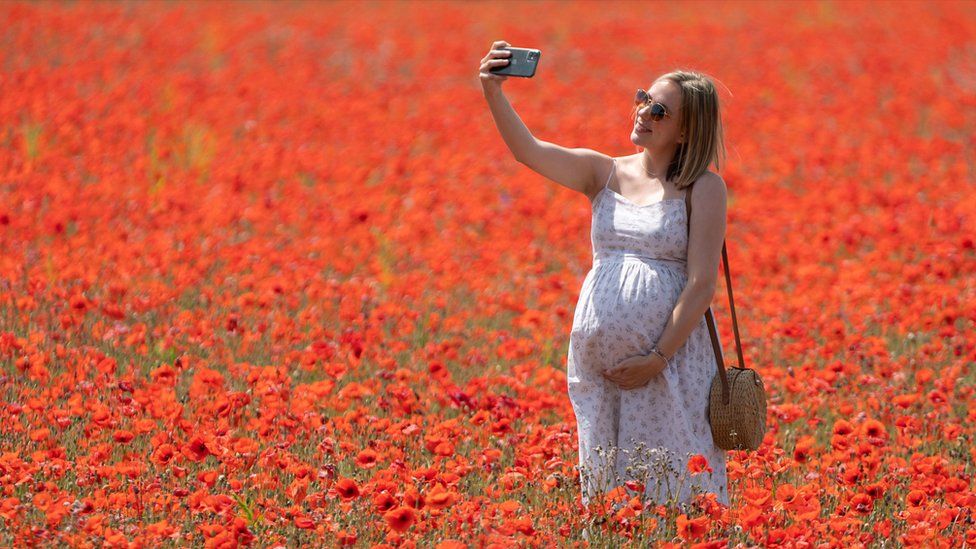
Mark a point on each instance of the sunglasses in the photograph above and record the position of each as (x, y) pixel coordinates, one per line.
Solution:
(658, 110)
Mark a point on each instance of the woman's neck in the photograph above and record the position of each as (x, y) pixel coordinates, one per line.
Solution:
(655, 164)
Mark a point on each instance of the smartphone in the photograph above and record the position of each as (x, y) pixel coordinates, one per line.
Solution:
(522, 62)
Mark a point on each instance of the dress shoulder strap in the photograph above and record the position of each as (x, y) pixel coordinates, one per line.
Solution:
(613, 165)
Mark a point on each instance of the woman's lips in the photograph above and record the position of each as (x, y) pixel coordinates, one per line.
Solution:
(642, 128)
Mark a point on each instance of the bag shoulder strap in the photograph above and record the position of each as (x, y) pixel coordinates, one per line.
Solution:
(710, 317)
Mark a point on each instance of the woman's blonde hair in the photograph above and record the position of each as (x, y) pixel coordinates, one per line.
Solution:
(701, 122)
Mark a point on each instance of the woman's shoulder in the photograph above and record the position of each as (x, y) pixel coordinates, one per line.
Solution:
(709, 188)
(711, 178)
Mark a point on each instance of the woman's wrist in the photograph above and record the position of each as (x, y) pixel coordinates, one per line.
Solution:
(657, 352)
(491, 90)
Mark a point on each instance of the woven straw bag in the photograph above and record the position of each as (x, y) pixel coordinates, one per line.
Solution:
(737, 401)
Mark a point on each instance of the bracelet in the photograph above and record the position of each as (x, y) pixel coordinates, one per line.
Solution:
(657, 351)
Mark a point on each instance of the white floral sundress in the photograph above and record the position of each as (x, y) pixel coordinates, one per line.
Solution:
(645, 434)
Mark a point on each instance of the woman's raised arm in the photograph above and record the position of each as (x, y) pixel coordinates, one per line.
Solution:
(572, 168)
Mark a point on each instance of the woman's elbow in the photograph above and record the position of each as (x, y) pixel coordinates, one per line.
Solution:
(703, 286)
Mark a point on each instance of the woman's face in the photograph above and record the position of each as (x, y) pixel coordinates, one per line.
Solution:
(665, 133)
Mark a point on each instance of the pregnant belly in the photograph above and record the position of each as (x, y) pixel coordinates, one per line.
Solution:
(629, 294)
(617, 317)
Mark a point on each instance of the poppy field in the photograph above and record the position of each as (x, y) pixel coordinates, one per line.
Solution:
(269, 276)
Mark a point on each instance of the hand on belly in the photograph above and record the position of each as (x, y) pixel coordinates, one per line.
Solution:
(634, 372)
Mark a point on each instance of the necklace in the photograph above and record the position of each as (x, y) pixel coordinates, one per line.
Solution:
(645, 168)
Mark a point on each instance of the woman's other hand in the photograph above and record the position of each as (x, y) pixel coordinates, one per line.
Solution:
(635, 372)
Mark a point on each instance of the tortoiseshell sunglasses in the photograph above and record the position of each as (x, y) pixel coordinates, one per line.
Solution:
(658, 110)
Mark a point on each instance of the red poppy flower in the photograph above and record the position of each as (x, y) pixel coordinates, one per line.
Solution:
(347, 488)
(400, 518)
(698, 463)
(195, 449)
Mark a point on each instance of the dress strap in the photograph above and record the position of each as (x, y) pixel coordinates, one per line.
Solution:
(613, 165)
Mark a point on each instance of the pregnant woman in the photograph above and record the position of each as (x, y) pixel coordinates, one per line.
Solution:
(640, 360)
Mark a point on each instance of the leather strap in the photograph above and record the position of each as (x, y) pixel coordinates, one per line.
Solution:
(710, 317)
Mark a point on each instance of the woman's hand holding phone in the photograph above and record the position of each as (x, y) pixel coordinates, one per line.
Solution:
(518, 137)
(495, 58)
